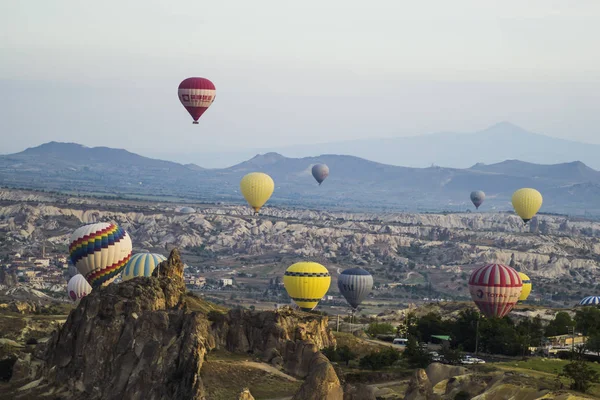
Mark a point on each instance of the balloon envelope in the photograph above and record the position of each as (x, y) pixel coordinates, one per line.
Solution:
(141, 264)
(100, 251)
(187, 210)
(78, 287)
(355, 284)
(477, 197)
(306, 283)
(196, 95)
(527, 202)
(590, 301)
(495, 289)
(526, 287)
(257, 188)
(320, 172)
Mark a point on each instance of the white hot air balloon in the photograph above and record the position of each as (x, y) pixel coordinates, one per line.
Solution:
(78, 287)
(100, 251)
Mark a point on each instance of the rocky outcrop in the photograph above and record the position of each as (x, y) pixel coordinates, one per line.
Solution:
(322, 382)
(420, 388)
(358, 391)
(139, 340)
(437, 372)
(246, 395)
(283, 337)
(131, 340)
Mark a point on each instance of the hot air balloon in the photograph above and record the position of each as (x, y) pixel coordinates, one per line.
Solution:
(320, 172)
(187, 210)
(495, 289)
(78, 287)
(100, 251)
(257, 188)
(526, 287)
(590, 301)
(355, 284)
(196, 95)
(141, 264)
(72, 270)
(306, 283)
(477, 197)
(526, 202)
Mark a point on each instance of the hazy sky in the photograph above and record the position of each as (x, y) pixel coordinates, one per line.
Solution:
(106, 72)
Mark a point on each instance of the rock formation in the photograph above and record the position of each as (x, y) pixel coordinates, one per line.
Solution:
(138, 340)
(321, 383)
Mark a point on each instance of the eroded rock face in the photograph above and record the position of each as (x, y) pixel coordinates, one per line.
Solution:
(294, 336)
(322, 382)
(132, 340)
(420, 388)
(138, 340)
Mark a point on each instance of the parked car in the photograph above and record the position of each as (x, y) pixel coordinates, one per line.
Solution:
(472, 360)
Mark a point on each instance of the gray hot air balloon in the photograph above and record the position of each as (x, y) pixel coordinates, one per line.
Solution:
(355, 284)
(320, 172)
(477, 198)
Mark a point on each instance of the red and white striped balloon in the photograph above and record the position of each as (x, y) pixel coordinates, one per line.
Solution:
(495, 288)
(196, 95)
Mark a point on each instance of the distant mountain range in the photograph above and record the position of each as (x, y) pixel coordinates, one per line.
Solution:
(354, 183)
(503, 141)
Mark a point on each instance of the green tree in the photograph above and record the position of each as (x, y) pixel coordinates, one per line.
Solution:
(379, 360)
(588, 320)
(581, 375)
(450, 356)
(380, 328)
(593, 343)
(560, 324)
(464, 329)
(431, 324)
(415, 355)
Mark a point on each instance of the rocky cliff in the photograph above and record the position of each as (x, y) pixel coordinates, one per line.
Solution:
(139, 340)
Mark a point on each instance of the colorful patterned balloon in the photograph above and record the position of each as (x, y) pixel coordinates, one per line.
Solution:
(495, 288)
(100, 251)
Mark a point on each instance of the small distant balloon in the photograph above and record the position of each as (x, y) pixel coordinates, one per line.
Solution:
(320, 172)
(78, 287)
(526, 291)
(196, 95)
(590, 301)
(477, 197)
(257, 188)
(527, 202)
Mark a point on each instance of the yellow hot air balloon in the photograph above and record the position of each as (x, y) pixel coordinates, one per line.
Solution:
(257, 188)
(306, 283)
(526, 287)
(526, 202)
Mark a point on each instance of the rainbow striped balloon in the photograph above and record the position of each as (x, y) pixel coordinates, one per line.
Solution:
(495, 288)
(100, 251)
(141, 264)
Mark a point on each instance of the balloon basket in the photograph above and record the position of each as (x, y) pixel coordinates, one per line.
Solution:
(195, 122)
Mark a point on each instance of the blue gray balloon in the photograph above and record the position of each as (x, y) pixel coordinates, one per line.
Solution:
(355, 284)
(477, 197)
(320, 172)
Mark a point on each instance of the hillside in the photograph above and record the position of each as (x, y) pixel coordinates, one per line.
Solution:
(354, 183)
(494, 144)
